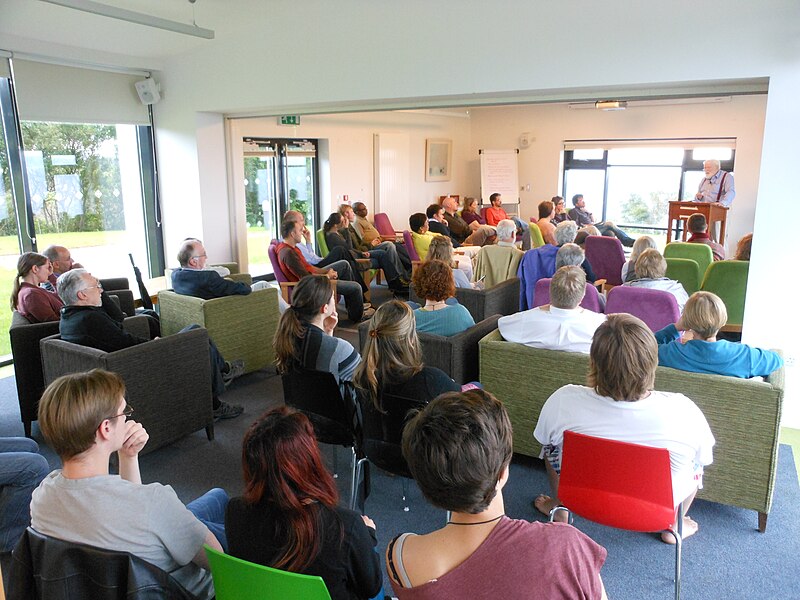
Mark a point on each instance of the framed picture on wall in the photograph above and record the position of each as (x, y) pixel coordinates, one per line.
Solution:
(438, 159)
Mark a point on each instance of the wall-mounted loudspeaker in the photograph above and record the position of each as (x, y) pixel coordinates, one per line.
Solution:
(148, 91)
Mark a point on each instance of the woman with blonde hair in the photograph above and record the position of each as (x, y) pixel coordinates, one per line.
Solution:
(651, 270)
(392, 360)
(691, 344)
(641, 244)
(31, 301)
(441, 248)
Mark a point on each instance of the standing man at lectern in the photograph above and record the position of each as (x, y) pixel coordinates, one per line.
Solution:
(716, 186)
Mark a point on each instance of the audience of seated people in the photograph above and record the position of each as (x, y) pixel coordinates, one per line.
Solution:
(540, 263)
(651, 269)
(296, 268)
(304, 338)
(459, 450)
(85, 419)
(619, 402)
(583, 217)
(433, 283)
(641, 244)
(367, 238)
(338, 234)
(560, 325)
(392, 361)
(547, 211)
(743, 247)
(697, 226)
(691, 344)
(89, 320)
(499, 262)
(28, 297)
(441, 248)
(289, 516)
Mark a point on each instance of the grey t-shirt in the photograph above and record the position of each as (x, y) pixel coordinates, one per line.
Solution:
(109, 512)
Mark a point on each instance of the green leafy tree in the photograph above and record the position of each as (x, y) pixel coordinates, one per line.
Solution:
(635, 210)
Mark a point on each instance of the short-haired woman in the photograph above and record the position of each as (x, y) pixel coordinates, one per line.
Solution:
(651, 269)
(441, 248)
(31, 301)
(698, 350)
(433, 283)
(288, 517)
(619, 403)
(641, 244)
(459, 448)
(304, 338)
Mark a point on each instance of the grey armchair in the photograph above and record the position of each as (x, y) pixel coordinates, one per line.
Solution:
(456, 355)
(501, 299)
(168, 380)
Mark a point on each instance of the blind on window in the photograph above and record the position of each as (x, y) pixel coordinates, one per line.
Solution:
(61, 94)
(687, 143)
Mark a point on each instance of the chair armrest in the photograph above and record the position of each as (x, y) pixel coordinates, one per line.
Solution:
(241, 278)
(599, 283)
(138, 326)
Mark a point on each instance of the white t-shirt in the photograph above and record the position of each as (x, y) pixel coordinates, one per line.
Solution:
(112, 513)
(662, 420)
(556, 329)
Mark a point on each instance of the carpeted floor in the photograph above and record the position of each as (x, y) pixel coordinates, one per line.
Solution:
(728, 558)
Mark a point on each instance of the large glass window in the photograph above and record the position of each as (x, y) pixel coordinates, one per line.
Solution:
(9, 244)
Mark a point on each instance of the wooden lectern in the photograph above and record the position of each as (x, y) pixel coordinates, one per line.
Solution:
(679, 212)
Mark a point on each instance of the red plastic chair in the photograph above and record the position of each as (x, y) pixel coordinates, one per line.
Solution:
(591, 299)
(622, 485)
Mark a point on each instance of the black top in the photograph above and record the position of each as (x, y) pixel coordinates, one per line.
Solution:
(92, 326)
(347, 560)
(344, 239)
(435, 226)
(424, 386)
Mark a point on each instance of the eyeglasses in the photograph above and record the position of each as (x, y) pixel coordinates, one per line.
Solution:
(127, 413)
(99, 286)
(200, 256)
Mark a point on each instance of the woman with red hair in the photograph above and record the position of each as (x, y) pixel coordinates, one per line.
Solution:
(288, 517)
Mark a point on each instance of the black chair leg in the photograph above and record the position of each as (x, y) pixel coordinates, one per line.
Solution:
(210, 432)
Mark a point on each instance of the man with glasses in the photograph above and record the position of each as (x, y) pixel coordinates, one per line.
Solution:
(84, 322)
(85, 419)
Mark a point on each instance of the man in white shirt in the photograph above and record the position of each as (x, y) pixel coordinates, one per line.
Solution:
(560, 325)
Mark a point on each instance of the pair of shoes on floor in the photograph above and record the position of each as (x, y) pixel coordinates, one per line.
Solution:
(368, 312)
(398, 286)
(227, 411)
(231, 371)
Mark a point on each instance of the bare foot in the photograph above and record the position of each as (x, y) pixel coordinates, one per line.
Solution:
(544, 504)
(690, 527)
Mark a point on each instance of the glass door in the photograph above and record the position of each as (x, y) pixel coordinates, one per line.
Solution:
(279, 175)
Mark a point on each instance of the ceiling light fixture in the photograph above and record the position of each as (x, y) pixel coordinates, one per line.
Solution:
(104, 10)
(611, 104)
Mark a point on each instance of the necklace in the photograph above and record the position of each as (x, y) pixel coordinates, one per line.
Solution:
(479, 522)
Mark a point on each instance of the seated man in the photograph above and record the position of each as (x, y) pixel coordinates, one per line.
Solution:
(560, 325)
(458, 448)
(539, 263)
(61, 259)
(295, 268)
(496, 213)
(459, 228)
(395, 251)
(698, 227)
(582, 217)
(84, 322)
(571, 254)
(691, 344)
(499, 262)
(84, 418)
(621, 404)
(22, 468)
(438, 224)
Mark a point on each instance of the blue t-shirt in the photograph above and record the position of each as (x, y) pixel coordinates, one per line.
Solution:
(448, 321)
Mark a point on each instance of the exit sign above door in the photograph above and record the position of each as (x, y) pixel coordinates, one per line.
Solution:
(289, 120)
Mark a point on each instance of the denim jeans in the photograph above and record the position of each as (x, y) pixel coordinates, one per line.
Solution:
(210, 511)
(22, 468)
(217, 364)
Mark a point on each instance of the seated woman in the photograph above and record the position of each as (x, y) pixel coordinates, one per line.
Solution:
(641, 244)
(459, 448)
(337, 233)
(743, 247)
(470, 213)
(441, 248)
(304, 338)
(619, 403)
(698, 350)
(288, 517)
(392, 361)
(546, 213)
(650, 270)
(433, 282)
(31, 301)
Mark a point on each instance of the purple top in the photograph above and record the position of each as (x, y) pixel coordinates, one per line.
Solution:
(469, 217)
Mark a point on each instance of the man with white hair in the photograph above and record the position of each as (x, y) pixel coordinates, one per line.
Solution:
(716, 186)
(498, 262)
(560, 325)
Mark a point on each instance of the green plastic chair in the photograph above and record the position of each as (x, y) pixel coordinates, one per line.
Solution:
(237, 579)
(700, 253)
(322, 243)
(686, 271)
(728, 280)
(537, 241)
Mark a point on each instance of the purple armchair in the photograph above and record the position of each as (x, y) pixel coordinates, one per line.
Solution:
(412, 252)
(606, 257)
(656, 308)
(592, 300)
(384, 227)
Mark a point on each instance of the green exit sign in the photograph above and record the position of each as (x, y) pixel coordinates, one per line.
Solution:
(289, 120)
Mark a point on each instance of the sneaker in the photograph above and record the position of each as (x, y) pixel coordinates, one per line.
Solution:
(227, 411)
(231, 371)
(368, 312)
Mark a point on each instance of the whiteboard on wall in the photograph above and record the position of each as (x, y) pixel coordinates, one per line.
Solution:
(500, 174)
(391, 176)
